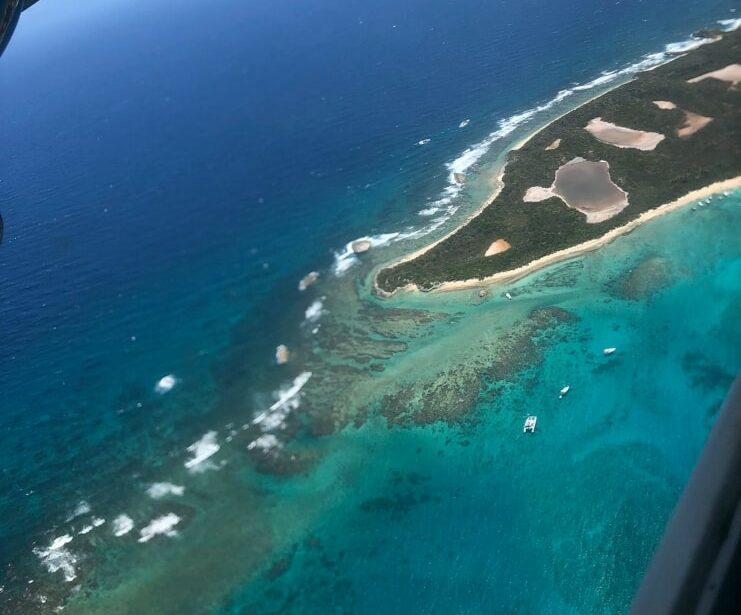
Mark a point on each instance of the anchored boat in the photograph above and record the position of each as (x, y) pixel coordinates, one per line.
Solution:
(530, 424)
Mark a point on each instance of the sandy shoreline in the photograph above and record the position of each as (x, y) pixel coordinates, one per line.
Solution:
(486, 202)
(510, 275)
(514, 274)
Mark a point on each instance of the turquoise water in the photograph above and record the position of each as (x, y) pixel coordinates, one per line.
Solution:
(157, 221)
(475, 516)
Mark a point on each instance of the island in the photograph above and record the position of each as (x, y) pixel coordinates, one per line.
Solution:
(670, 136)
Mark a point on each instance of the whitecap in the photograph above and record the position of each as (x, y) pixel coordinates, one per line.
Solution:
(265, 442)
(161, 525)
(82, 508)
(445, 205)
(202, 449)
(346, 258)
(165, 384)
(687, 45)
(160, 490)
(57, 557)
(314, 311)
(729, 25)
(428, 211)
(274, 417)
(122, 525)
(647, 62)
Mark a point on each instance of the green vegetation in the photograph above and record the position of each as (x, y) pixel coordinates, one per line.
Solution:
(651, 178)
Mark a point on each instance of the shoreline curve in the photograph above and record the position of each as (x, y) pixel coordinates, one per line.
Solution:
(511, 275)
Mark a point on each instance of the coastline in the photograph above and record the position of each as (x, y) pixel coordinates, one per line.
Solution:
(489, 200)
(723, 182)
(579, 249)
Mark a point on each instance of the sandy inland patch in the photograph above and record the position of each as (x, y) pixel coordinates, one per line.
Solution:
(692, 121)
(664, 104)
(497, 247)
(730, 74)
(585, 186)
(620, 136)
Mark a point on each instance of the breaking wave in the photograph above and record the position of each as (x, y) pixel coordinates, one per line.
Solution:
(122, 525)
(161, 525)
(445, 205)
(57, 557)
(160, 490)
(314, 311)
(201, 450)
(287, 400)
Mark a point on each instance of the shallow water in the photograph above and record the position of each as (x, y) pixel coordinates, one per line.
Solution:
(441, 503)
(473, 515)
(160, 224)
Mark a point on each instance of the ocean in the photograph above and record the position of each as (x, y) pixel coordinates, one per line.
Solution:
(168, 177)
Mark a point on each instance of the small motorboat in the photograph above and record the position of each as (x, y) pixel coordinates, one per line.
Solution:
(530, 424)
(564, 391)
(607, 351)
(508, 296)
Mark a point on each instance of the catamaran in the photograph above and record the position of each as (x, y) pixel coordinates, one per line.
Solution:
(530, 424)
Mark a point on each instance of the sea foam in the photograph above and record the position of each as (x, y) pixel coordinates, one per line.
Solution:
(161, 525)
(201, 450)
(96, 522)
(444, 206)
(346, 258)
(57, 557)
(165, 384)
(274, 417)
(160, 490)
(729, 25)
(82, 508)
(266, 442)
(122, 525)
(314, 311)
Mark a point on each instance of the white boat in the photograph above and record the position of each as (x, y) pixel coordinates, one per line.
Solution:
(610, 350)
(564, 392)
(530, 424)
(508, 296)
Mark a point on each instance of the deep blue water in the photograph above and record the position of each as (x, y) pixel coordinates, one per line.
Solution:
(168, 175)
